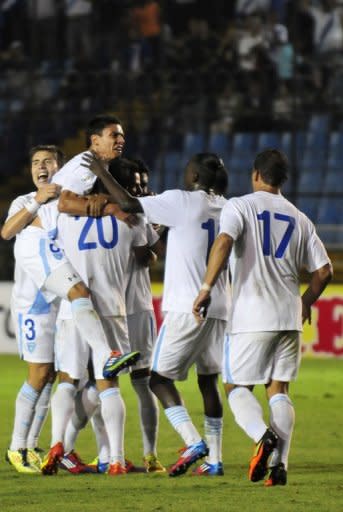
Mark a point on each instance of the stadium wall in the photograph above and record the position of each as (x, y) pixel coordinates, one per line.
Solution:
(324, 337)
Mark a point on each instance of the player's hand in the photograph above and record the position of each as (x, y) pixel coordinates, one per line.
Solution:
(306, 313)
(91, 162)
(95, 205)
(47, 192)
(200, 305)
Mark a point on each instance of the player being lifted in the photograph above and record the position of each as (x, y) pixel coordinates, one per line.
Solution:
(192, 217)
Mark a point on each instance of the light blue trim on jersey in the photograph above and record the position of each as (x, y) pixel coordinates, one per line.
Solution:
(20, 332)
(228, 376)
(40, 306)
(52, 234)
(152, 331)
(159, 342)
(42, 253)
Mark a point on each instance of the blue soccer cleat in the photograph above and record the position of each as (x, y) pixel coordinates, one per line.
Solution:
(189, 455)
(117, 362)
(207, 469)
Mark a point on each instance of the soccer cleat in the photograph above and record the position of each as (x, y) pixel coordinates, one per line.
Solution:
(71, 462)
(152, 464)
(129, 466)
(52, 459)
(277, 476)
(189, 455)
(18, 459)
(117, 469)
(117, 362)
(258, 465)
(99, 467)
(33, 457)
(207, 469)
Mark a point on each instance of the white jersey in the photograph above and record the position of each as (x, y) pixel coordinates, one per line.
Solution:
(138, 290)
(273, 241)
(99, 248)
(193, 219)
(74, 177)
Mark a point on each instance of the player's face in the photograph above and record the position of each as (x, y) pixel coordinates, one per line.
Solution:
(135, 189)
(43, 166)
(110, 143)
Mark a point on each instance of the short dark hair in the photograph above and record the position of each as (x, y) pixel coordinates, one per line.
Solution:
(97, 124)
(273, 167)
(210, 169)
(57, 152)
(123, 169)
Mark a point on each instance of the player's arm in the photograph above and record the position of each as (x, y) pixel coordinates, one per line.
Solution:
(319, 280)
(144, 255)
(219, 255)
(19, 220)
(119, 195)
(85, 206)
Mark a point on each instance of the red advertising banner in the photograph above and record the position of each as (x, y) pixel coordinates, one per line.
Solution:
(324, 337)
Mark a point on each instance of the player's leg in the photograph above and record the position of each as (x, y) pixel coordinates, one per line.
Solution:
(282, 417)
(174, 352)
(248, 360)
(142, 334)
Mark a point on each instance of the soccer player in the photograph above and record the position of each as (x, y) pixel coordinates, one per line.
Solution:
(33, 317)
(193, 218)
(269, 241)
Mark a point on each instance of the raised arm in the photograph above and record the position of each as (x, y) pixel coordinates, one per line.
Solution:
(18, 221)
(219, 255)
(126, 201)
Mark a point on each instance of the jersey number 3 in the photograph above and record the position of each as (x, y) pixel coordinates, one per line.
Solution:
(265, 217)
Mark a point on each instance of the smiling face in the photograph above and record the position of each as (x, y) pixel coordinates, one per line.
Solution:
(110, 143)
(43, 166)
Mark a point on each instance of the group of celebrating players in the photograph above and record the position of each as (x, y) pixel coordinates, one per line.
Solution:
(82, 306)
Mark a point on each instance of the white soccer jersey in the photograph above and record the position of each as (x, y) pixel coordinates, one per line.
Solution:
(193, 219)
(99, 248)
(138, 290)
(74, 177)
(273, 241)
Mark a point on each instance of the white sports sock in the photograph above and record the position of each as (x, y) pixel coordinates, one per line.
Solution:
(213, 435)
(89, 324)
(86, 401)
(181, 422)
(41, 412)
(101, 436)
(113, 413)
(247, 412)
(148, 413)
(62, 407)
(282, 420)
(24, 413)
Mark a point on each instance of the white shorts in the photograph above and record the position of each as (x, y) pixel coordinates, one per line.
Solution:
(72, 353)
(259, 357)
(182, 342)
(35, 333)
(142, 336)
(46, 265)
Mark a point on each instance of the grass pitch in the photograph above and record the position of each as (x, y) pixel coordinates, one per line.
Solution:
(315, 478)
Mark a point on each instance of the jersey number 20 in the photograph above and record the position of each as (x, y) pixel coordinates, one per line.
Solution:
(86, 246)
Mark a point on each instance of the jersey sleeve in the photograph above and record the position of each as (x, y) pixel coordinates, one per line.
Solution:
(316, 255)
(167, 208)
(74, 177)
(231, 219)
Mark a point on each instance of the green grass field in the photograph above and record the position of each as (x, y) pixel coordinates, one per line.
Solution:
(315, 472)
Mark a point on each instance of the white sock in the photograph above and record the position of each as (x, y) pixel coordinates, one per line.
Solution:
(148, 413)
(86, 401)
(62, 407)
(24, 413)
(247, 412)
(101, 436)
(213, 435)
(282, 420)
(181, 422)
(41, 412)
(113, 413)
(89, 324)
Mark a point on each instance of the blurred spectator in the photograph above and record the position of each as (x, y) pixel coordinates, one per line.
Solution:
(43, 18)
(251, 36)
(282, 54)
(146, 20)
(78, 16)
(248, 7)
(328, 29)
(228, 106)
